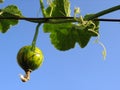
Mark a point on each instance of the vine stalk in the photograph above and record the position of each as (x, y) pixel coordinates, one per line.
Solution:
(101, 13)
(35, 36)
(64, 19)
(42, 8)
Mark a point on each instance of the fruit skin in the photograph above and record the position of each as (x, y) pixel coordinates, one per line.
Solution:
(30, 59)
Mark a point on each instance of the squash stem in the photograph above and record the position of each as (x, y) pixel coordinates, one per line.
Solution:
(26, 77)
(35, 36)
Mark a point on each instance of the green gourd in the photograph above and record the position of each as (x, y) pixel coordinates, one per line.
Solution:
(29, 59)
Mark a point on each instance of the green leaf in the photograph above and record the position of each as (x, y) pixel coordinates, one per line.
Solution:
(83, 37)
(60, 34)
(58, 8)
(13, 10)
(9, 11)
(86, 30)
(63, 37)
(1, 1)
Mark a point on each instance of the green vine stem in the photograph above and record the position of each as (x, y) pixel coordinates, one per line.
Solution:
(56, 19)
(71, 19)
(64, 19)
(35, 36)
(115, 8)
(37, 27)
(42, 8)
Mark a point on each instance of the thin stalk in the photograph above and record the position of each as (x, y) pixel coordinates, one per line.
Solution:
(56, 19)
(64, 19)
(35, 36)
(101, 13)
(42, 8)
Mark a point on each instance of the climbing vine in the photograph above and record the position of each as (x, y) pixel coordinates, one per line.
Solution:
(65, 30)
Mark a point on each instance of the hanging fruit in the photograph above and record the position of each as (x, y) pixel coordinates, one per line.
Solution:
(29, 59)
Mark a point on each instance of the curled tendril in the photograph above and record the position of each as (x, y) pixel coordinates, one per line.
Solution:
(104, 52)
(87, 23)
(82, 24)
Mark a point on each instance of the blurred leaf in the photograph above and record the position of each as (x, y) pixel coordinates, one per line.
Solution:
(13, 10)
(64, 36)
(9, 11)
(1, 1)
(58, 8)
(60, 34)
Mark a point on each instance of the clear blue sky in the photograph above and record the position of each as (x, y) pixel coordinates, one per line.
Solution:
(76, 69)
